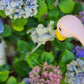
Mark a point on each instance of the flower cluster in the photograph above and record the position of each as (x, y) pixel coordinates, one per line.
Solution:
(75, 72)
(47, 74)
(79, 52)
(42, 34)
(19, 8)
(81, 16)
(1, 27)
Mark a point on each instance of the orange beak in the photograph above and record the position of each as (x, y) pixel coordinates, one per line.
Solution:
(59, 36)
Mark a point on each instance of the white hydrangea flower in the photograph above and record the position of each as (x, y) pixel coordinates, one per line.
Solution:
(19, 8)
(42, 34)
(41, 29)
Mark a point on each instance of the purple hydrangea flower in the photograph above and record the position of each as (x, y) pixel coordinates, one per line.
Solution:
(81, 16)
(1, 27)
(25, 80)
(79, 52)
(75, 72)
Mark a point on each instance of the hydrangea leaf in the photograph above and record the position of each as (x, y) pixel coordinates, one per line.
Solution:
(12, 80)
(33, 60)
(64, 45)
(42, 8)
(2, 14)
(47, 57)
(21, 68)
(67, 56)
(19, 23)
(18, 28)
(22, 46)
(78, 7)
(7, 31)
(66, 6)
(4, 75)
(62, 81)
(21, 83)
(62, 68)
(50, 3)
(22, 33)
(54, 12)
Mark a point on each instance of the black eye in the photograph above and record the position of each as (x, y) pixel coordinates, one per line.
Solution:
(60, 29)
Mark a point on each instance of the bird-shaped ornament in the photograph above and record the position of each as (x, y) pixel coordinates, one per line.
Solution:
(70, 26)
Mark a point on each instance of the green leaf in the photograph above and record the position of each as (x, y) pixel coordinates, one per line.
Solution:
(22, 33)
(12, 80)
(2, 14)
(78, 7)
(4, 75)
(47, 57)
(66, 6)
(62, 81)
(32, 22)
(21, 83)
(62, 68)
(18, 28)
(22, 46)
(19, 23)
(22, 68)
(50, 3)
(7, 31)
(42, 8)
(54, 12)
(33, 60)
(67, 56)
(63, 45)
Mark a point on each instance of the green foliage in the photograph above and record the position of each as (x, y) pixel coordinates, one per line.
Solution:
(63, 45)
(54, 12)
(38, 59)
(78, 7)
(33, 60)
(67, 56)
(47, 57)
(50, 3)
(12, 80)
(19, 23)
(7, 31)
(22, 46)
(2, 14)
(42, 8)
(4, 75)
(66, 6)
(62, 81)
(21, 68)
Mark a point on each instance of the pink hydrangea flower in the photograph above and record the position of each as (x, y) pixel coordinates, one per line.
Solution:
(47, 74)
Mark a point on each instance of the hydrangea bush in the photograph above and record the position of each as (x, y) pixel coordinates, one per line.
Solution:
(75, 72)
(81, 16)
(19, 8)
(79, 52)
(47, 74)
(34, 55)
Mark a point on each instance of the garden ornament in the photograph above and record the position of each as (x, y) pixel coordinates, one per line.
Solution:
(70, 26)
(2, 52)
